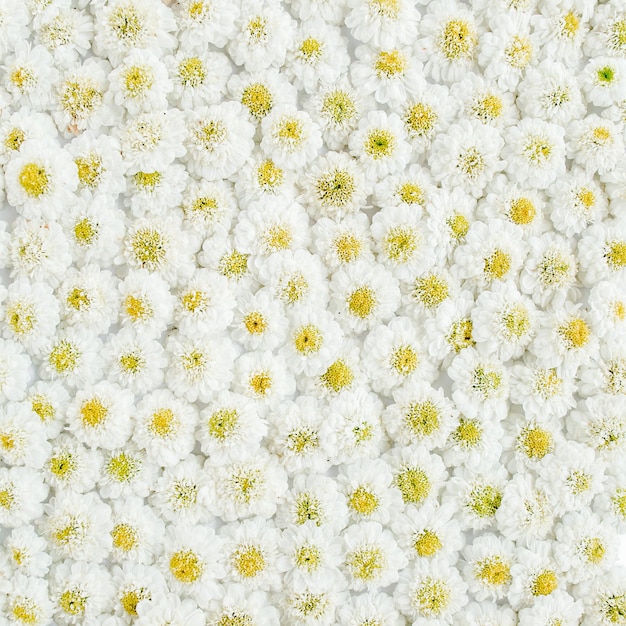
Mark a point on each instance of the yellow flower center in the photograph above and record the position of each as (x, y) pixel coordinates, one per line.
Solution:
(339, 107)
(574, 333)
(235, 618)
(42, 408)
(537, 150)
(193, 301)
(131, 598)
(26, 611)
(432, 597)
(123, 467)
(366, 563)
(34, 180)
(255, 323)
(234, 265)
(431, 290)
(191, 72)
(618, 500)
(7, 498)
(570, 23)
(311, 50)
(303, 441)
(616, 255)
(348, 247)
(256, 30)
(458, 225)
(544, 583)
(497, 265)
(617, 35)
(90, 170)
(62, 465)
(337, 377)
(619, 309)
(400, 243)
(136, 308)
(390, 64)
(73, 601)
(258, 99)
(137, 80)
(414, 484)
(460, 334)
(124, 537)
(78, 299)
(245, 483)
(249, 561)
(484, 500)
(186, 566)
(14, 139)
(64, 357)
(269, 176)
(308, 508)
(294, 289)
(411, 193)
(278, 237)
(290, 133)
(211, 134)
(389, 9)
(379, 144)
(546, 383)
(578, 482)
(535, 442)
(468, 433)
(149, 247)
(23, 78)
(614, 605)
(362, 302)
(522, 211)
(515, 322)
(194, 362)
(457, 40)
(79, 100)
(519, 52)
(363, 501)
(261, 383)
(197, 10)
(487, 108)
(308, 557)
(471, 163)
(593, 549)
(494, 571)
(21, 318)
(601, 135)
(147, 180)
(85, 232)
(132, 362)
(423, 418)
(308, 340)
(404, 359)
(335, 188)
(427, 543)
(126, 23)
(223, 423)
(163, 423)
(93, 413)
(486, 381)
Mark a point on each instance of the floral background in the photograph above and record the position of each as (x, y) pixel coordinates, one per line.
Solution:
(312, 312)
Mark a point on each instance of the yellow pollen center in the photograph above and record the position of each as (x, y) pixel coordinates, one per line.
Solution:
(258, 99)
(519, 52)
(536, 442)
(379, 144)
(348, 248)
(163, 423)
(547, 384)
(123, 467)
(494, 571)
(432, 597)
(249, 561)
(269, 176)
(303, 441)
(79, 100)
(131, 362)
(256, 30)
(14, 139)
(23, 78)
(579, 482)
(458, 225)
(131, 598)
(261, 383)
(136, 308)
(614, 605)
(616, 255)
(619, 310)
(335, 188)
(64, 357)
(85, 232)
(78, 299)
(197, 10)
(593, 549)
(211, 134)
(522, 211)
(290, 133)
(389, 9)
(601, 134)
(484, 500)
(575, 333)
(404, 359)
(420, 119)
(147, 180)
(460, 334)
(186, 566)
(618, 501)
(401, 243)
(193, 301)
(93, 413)
(20, 557)
(362, 302)
(487, 108)
(294, 289)
(390, 64)
(137, 80)
(34, 180)
(21, 318)
(42, 408)
(255, 323)
(486, 381)
(457, 40)
(90, 170)
(471, 163)
(126, 23)
(414, 484)
(311, 50)
(308, 340)
(223, 424)
(411, 193)
(308, 557)
(366, 563)
(544, 583)
(278, 237)
(124, 537)
(193, 361)
(497, 265)
(191, 72)
(515, 322)
(431, 290)
(234, 265)
(73, 601)
(422, 418)
(7, 498)
(427, 543)
(468, 433)
(337, 377)
(339, 107)
(570, 25)
(308, 508)
(617, 36)
(149, 248)
(537, 150)
(363, 501)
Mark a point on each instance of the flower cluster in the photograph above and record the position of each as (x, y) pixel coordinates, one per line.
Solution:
(315, 312)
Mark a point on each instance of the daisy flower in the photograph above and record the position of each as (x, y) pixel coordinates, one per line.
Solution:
(207, 206)
(136, 531)
(201, 22)
(30, 313)
(80, 591)
(25, 552)
(430, 593)
(318, 55)
(366, 487)
(391, 75)
(412, 189)
(48, 401)
(146, 304)
(134, 361)
(336, 108)
(14, 19)
(430, 533)
(237, 602)
(377, 608)
(77, 527)
(29, 74)
(22, 437)
(482, 613)
(164, 427)
(27, 602)
(534, 150)
(72, 466)
(607, 308)
(182, 494)
(382, 22)
(197, 78)
(531, 442)
(133, 584)
(379, 143)
(263, 377)
(604, 81)
(479, 384)
(67, 36)
(331, 12)
(168, 609)
(550, 92)
(473, 161)
(153, 192)
(335, 186)
(600, 252)
(21, 126)
(190, 561)
(198, 367)
(311, 605)
(229, 428)
(420, 414)
(363, 295)
(22, 492)
(417, 474)
(474, 442)
(394, 355)
(122, 25)
(219, 140)
(508, 49)
(250, 554)
(126, 472)
(449, 43)
(504, 322)
(487, 569)
(605, 599)
(261, 179)
(595, 143)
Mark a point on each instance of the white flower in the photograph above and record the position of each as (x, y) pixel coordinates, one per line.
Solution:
(263, 377)
(67, 36)
(264, 33)
(487, 570)
(133, 584)
(595, 143)
(22, 492)
(606, 307)
(236, 602)
(27, 598)
(164, 426)
(22, 437)
(204, 21)
(363, 295)
(379, 143)
(48, 401)
(382, 22)
(485, 613)
(261, 179)
(365, 608)
(558, 606)
(126, 472)
(198, 367)
(40, 179)
(413, 189)
(72, 466)
(534, 150)
(343, 242)
(25, 552)
(604, 81)
(219, 140)
(431, 593)
(604, 599)
(602, 253)
(208, 205)
(451, 213)
(154, 192)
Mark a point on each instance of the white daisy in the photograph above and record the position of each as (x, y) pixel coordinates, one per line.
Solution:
(169, 609)
(377, 608)
(155, 192)
(201, 22)
(604, 81)
(22, 437)
(236, 602)
(72, 466)
(261, 179)
(602, 252)
(25, 552)
(48, 401)
(344, 242)
(595, 143)
(127, 472)
(382, 22)
(133, 584)
(22, 492)
(474, 442)
(207, 205)
(28, 602)
(607, 307)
